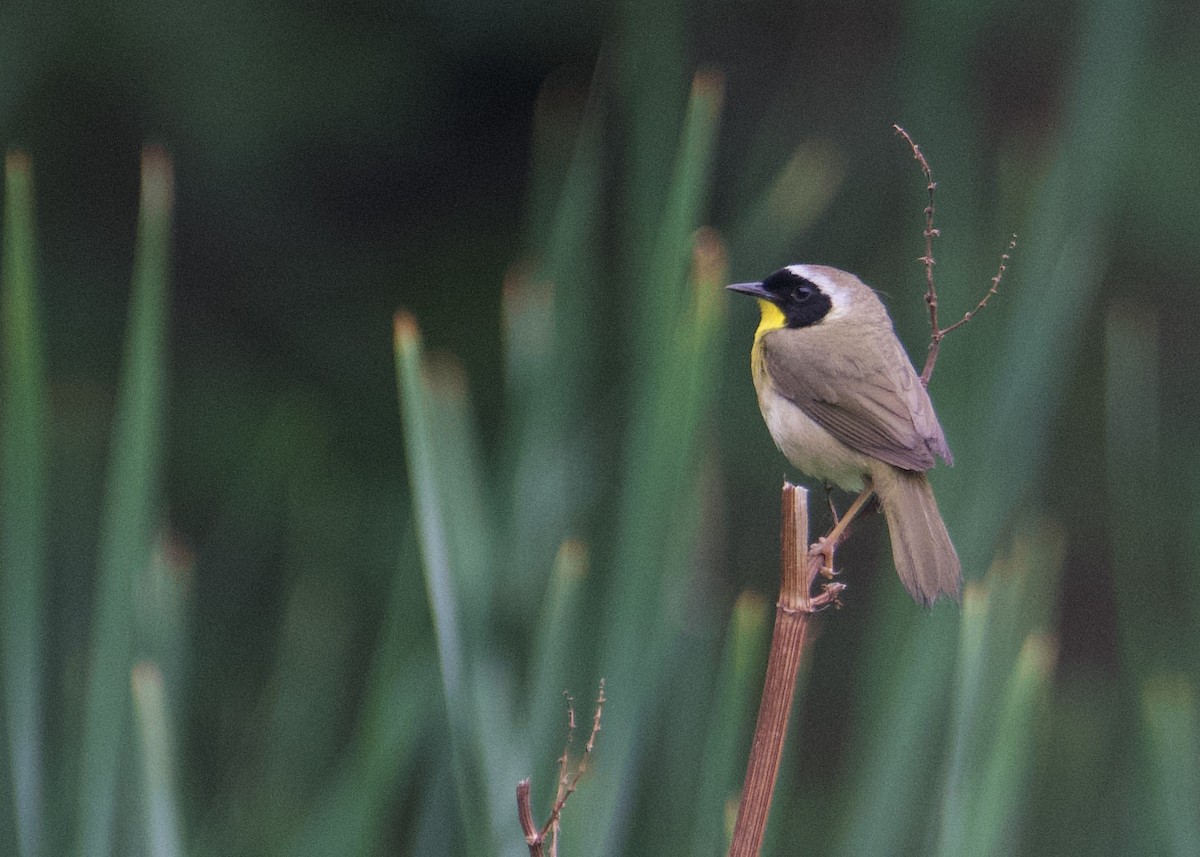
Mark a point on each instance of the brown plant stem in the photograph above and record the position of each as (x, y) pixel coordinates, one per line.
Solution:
(533, 836)
(798, 569)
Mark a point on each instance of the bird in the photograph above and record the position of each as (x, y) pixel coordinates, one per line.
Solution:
(844, 404)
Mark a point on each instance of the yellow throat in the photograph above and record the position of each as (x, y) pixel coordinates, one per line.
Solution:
(772, 319)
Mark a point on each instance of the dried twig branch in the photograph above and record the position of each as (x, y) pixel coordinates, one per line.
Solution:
(967, 316)
(568, 781)
(799, 569)
(930, 233)
(938, 333)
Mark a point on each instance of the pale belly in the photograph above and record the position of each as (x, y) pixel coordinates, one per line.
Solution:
(808, 446)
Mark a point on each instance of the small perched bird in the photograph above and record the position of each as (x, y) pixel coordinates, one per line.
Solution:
(844, 405)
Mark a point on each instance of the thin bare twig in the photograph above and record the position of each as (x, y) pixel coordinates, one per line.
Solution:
(938, 333)
(930, 231)
(1004, 257)
(567, 783)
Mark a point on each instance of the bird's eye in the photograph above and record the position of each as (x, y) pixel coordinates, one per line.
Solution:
(803, 293)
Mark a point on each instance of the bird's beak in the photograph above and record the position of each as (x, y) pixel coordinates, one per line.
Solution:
(752, 289)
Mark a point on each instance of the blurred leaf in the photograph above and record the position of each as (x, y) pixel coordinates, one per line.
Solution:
(1149, 640)
(1000, 793)
(552, 645)
(652, 82)
(22, 505)
(1005, 659)
(968, 680)
(551, 341)
(1079, 770)
(352, 812)
(660, 284)
(1172, 720)
(351, 815)
(656, 531)
(450, 537)
(799, 194)
(1004, 398)
(130, 515)
(1155, 631)
(1061, 260)
(730, 721)
(431, 835)
(161, 608)
(163, 833)
(901, 741)
(303, 716)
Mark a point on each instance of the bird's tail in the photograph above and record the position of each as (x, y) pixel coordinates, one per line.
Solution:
(925, 557)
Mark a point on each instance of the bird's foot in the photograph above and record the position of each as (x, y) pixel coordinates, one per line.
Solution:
(823, 547)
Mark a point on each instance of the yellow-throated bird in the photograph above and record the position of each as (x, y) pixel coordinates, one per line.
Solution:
(844, 404)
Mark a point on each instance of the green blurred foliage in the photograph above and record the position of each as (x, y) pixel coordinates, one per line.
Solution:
(247, 609)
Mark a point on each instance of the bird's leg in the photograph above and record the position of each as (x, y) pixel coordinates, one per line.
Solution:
(826, 545)
(829, 500)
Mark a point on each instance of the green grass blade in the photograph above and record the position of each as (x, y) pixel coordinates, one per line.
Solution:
(1135, 474)
(351, 813)
(22, 504)
(561, 116)
(998, 795)
(652, 84)
(968, 679)
(901, 741)
(350, 818)
(492, 682)
(130, 515)
(799, 193)
(458, 472)
(551, 350)
(1003, 399)
(724, 761)
(1156, 634)
(661, 281)
(1002, 674)
(430, 504)
(655, 538)
(1172, 719)
(1061, 261)
(551, 676)
(161, 606)
(163, 834)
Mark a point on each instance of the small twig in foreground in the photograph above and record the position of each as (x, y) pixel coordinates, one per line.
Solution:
(567, 783)
(938, 333)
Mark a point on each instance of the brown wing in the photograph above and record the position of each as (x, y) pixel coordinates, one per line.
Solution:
(871, 401)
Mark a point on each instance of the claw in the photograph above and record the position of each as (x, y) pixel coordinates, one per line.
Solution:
(834, 592)
(823, 548)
